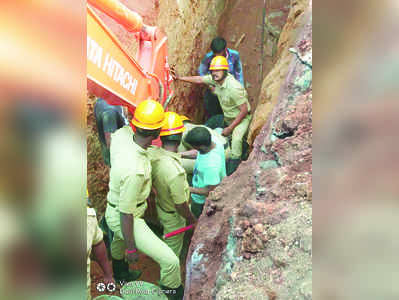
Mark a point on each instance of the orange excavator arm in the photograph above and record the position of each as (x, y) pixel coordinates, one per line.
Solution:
(112, 73)
(131, 20)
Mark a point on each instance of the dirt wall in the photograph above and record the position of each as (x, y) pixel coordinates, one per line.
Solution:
(242, 25)
(272, 83)
(190, 27)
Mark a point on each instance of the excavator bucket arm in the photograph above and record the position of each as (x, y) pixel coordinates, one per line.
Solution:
(111, 72)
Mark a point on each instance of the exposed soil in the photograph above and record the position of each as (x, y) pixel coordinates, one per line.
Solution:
(244, 18)
(272, 83)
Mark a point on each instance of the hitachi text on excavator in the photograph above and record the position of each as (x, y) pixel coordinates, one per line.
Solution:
(112, 73)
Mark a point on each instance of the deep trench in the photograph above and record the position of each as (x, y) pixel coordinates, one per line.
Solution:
(243, 34)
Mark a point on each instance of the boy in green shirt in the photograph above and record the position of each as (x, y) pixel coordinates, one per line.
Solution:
(209, 169)
(188, 164)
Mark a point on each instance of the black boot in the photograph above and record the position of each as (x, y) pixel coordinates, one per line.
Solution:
(232, 165)
(122, 272)
(173, 294)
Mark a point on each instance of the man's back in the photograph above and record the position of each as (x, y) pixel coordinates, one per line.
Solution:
(108, 118)
(128, 160)
(233, 58)
(169, 178)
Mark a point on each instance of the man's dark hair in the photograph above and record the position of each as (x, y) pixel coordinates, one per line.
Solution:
(218, 44)
(173, 140)
(148, 132)
(198, 136)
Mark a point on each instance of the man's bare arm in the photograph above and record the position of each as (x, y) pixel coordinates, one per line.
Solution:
(192, 79)
(190, 154)
(128, 230)
(203, 191)
(127, 224)
(108, 139)
(100, 253)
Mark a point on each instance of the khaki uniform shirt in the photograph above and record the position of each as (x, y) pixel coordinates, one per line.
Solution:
(169, 178)
(130, 175)
(94, 236)
(231, 95)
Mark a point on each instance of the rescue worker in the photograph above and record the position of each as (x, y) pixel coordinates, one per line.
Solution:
(209, 169)
(96, 244)
(129, 187)
(188, 164)
(211, 101)
(109, 118)
(234, 101)
(170, 182)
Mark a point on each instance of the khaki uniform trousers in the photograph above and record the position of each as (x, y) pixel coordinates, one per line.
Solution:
(172, 222)
(238, 136)
(148, 243)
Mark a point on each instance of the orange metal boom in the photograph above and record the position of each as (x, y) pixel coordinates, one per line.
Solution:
(115, 76)
(131, 20)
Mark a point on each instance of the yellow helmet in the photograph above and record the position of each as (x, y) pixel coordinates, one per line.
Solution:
(149, 115)
(173, 124)
(184, 118)
(219, 63)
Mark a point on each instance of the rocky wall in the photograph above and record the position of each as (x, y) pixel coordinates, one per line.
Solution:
(272, 83)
